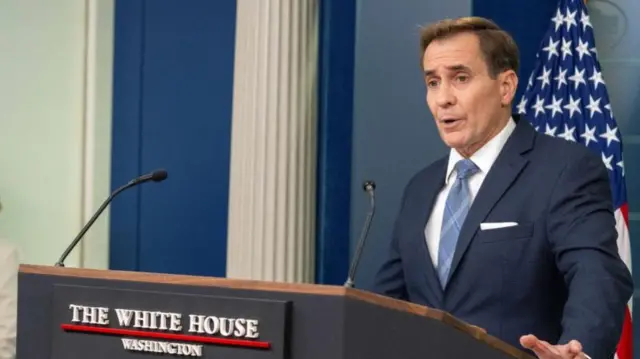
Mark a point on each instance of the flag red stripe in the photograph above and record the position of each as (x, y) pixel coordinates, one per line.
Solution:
(625, 213)
(625, 345)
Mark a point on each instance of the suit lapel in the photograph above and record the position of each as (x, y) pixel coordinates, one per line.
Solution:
(508, 165)
(426, 203)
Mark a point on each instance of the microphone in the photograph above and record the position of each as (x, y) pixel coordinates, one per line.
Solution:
(369, 187)
(155, 176)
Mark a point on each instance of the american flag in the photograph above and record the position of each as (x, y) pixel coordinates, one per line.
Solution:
(566, 97)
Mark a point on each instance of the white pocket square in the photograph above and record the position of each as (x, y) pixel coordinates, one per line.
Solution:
(496, 225)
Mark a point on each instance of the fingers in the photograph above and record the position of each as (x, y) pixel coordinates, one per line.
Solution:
(574, 350)
(575, 347)
(544, 350)
(528, 341)
(541, 348)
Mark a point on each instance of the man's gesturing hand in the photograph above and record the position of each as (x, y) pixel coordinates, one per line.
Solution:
(544, 350)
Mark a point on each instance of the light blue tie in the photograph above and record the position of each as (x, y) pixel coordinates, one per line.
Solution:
(455, 211)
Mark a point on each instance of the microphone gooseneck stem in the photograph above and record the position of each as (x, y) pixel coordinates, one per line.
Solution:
(156, 176)
(84, 230)
(363, 235)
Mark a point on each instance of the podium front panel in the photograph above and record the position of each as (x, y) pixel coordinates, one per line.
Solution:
(125, 323)
(290, 325)
(73, 314)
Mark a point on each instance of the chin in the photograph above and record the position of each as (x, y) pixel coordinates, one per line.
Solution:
(455, 140)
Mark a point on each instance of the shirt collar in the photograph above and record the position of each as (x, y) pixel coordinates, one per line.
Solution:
(486, 155)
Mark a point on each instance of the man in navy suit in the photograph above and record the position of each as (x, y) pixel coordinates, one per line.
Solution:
(513, 231)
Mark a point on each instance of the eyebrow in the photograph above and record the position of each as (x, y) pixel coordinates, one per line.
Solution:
(453, 68)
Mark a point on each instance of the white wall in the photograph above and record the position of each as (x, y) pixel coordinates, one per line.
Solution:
(55, 126)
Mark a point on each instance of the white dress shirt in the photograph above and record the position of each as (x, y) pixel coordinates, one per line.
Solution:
(483, 158)
(9, 262)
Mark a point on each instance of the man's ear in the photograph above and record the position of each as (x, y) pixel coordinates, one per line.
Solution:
(508, 86)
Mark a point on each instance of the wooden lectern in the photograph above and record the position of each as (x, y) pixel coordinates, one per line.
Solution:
(67, 313)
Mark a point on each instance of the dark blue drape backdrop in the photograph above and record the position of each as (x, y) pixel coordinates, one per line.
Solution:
(335, 120)
(173, 87)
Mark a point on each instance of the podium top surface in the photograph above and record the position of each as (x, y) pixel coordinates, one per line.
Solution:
(299, 288)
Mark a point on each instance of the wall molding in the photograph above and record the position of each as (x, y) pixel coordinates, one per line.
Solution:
(96, 130)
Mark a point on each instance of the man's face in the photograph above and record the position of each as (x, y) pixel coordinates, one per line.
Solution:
(467, 104)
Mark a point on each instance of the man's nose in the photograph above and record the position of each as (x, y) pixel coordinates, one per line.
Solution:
(445, 96)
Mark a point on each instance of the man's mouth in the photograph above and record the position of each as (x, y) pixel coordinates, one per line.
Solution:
(448, 121)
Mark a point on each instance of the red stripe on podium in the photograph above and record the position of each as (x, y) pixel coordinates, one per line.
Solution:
(167, 336)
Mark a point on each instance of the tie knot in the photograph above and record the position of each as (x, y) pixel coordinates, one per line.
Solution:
(465, 169)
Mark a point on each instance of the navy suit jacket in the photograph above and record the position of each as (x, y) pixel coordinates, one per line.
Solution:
(557, 274)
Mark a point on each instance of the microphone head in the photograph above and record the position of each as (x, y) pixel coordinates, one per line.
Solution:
(369, 185)
(159, 175)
